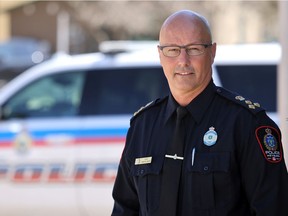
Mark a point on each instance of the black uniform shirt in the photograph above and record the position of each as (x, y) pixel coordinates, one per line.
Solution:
(233, 161)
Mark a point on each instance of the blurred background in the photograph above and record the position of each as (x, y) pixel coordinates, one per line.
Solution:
(42, 28)
(79, 26)
(31, 32)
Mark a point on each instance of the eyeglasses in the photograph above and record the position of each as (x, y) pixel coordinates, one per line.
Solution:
(190, 49)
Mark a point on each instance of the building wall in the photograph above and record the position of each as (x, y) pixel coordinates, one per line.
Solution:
(5, 24)
(36, 20)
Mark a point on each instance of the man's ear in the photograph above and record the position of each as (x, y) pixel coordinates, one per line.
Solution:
(213, 52)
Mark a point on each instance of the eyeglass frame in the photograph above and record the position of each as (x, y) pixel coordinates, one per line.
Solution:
(184, 47)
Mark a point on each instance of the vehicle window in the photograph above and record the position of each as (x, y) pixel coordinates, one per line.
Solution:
(256, 82)
(50, 96)
(122, 91)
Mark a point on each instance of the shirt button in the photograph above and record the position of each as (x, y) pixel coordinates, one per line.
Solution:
(205, 168)
(142, 171)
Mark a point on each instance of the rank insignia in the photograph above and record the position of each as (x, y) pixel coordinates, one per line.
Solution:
(210, 137)
(240, 98)
(269, 141)
(248, 102)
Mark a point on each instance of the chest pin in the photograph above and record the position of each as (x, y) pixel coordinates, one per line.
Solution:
(210, 137)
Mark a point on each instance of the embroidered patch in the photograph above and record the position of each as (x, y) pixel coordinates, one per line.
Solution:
(269, 141)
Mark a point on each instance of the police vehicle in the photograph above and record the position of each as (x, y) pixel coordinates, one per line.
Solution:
(63, 126)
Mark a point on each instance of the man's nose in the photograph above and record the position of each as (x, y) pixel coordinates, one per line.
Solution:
(183, 57)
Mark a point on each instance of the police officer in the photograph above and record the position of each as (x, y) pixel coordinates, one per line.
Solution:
(231, 162)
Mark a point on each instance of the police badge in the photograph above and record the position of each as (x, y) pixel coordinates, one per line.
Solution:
(210, 137)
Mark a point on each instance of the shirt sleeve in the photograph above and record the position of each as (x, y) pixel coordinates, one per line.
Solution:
(263, 170)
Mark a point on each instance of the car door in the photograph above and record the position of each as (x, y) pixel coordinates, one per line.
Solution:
(38, 135)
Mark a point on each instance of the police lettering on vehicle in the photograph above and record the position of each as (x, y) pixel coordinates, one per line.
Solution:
(42, 172)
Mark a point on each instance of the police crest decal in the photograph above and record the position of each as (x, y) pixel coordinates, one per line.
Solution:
(269, 141)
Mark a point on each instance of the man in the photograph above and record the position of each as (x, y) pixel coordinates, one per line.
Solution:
(224, 157)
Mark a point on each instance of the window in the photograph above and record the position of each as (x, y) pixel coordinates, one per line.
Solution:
(93, 92)
(255, 82)
(122, 90)
(50, 96)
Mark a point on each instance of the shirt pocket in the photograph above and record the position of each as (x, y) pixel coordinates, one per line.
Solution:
(147, 178)
(209, 183)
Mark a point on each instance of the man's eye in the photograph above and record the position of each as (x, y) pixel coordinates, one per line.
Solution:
(173, 49)
(193, 49)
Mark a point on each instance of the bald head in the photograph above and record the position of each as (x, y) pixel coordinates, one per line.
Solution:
(181, 22)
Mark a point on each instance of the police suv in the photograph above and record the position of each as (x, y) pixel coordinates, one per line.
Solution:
(63, 124)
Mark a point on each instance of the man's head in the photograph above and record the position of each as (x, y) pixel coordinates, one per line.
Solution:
(189, 71)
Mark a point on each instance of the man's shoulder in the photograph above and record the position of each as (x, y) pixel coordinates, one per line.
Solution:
(253, 107)
(148, 107)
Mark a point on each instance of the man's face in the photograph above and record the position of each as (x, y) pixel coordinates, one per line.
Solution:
(187, 74)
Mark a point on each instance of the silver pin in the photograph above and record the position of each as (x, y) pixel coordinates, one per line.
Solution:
(193, 156)
(175, 157)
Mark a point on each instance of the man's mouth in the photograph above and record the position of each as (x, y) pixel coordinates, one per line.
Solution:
(184, 73)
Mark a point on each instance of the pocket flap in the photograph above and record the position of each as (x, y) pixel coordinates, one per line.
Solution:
(211, 162)
(154, 167)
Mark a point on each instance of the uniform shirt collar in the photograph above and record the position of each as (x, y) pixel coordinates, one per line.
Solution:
(196, 107)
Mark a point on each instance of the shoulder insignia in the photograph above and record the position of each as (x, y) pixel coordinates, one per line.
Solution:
(248, 104)
(147, 106)
(143, 107)
(269, 141)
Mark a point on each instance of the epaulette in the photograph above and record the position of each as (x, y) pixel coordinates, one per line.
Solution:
(146, 107)
(238, 99)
